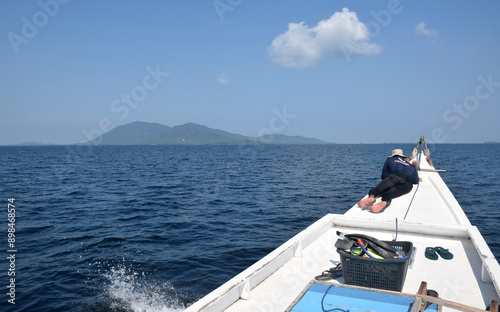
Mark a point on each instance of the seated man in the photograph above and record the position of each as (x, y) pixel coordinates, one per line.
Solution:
(398, 177)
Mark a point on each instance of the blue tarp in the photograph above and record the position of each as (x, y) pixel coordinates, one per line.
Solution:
(347, 299)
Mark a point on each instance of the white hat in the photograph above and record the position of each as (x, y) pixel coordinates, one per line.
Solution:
(397, 152)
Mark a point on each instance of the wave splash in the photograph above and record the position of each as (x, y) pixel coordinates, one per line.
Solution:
(130, 291)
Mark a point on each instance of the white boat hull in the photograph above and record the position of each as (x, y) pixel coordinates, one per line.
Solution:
(434, 218)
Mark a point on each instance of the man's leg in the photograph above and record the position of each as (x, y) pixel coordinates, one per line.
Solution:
(399, 188)
(375, 192)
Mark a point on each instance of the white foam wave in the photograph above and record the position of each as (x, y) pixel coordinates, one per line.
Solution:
(129, 290)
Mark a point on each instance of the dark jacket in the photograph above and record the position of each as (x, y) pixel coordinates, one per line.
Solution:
(398, 164)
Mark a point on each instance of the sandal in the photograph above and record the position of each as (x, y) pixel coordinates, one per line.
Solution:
(430, 253)
(444, 253)
(330, 274)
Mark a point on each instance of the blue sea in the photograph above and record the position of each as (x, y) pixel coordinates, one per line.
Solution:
(154, 228)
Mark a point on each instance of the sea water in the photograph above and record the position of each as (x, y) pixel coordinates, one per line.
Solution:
(154, 228)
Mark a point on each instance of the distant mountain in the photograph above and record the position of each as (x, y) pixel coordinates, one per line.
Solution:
(286, 139)
(144, 133)
(191, 133)
(31, 144)
(136, 133)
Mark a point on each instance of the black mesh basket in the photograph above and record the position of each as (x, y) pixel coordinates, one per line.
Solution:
(388, 274)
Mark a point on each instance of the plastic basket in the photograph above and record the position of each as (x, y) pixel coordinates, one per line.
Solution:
(388, 274)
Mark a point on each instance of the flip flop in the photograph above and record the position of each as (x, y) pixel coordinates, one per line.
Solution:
(444, 253)
(330, 274)
(430, 253)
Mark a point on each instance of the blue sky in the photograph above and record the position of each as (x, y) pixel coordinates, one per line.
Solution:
(340, 71)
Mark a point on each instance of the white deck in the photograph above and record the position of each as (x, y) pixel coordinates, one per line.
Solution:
(434, 219)
(433, 203)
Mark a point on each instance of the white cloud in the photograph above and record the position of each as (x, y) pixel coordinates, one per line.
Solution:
(303, 46)
(222, 79)
(421, 30)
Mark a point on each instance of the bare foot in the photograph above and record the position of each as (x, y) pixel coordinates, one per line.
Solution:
(377, 207)
(365, 202)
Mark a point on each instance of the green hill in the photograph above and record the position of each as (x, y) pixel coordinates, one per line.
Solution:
(191, 133)
(136, 133)
(144, 133)
(286, 139)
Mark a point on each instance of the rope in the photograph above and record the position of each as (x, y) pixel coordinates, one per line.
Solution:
(419, 148)
(334, 309)
(396, 238)
(409, 206)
